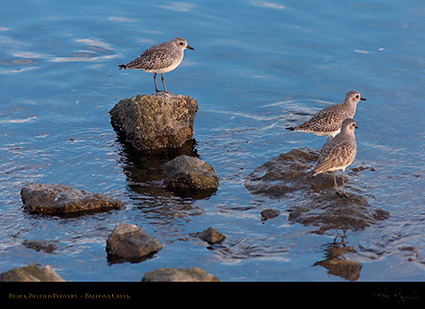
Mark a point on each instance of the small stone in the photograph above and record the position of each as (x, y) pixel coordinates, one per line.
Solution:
(190, 176)
(31, 273)
(47, 246)
(59, 200)
(269, 213)
(129, 243)
(210, 235)
(166, 274)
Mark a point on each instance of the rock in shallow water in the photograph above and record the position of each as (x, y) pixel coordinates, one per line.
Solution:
(158, 121)
(190, 176)
(315, 202)
(31, 273)
(166, 274)
(59, 200)
(129, 243)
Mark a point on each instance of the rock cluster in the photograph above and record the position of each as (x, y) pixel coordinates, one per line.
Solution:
(60, 200)
(158, 121)
(289, 177)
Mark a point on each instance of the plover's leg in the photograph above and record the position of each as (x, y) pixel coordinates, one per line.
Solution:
(154, 79)
(163, 82)
(343, 185)
(336, 184)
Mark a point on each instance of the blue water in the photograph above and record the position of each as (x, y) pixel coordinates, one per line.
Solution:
(257, 67)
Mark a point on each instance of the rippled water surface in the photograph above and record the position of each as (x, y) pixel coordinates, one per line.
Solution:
(257, 67)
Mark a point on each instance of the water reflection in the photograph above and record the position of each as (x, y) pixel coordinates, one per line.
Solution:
(144, 176)
(337, 264)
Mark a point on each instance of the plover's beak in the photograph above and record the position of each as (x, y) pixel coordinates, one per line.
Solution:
(356, 127)
(189, 47)
(363, 99)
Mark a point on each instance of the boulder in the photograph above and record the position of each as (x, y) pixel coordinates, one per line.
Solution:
(269, 213)
(191, 274)
(312, 200)
(190, 176)
(129, 243)
(31, 273)
(210, 235)
(158, 121)
(59, 200)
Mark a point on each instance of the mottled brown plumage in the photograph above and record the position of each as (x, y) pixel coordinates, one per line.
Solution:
(339, 152)
(160, 58)
(328, 120)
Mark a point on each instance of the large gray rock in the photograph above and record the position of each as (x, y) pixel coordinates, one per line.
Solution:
(31, 273)
(190, 176)
(129, 243)
(158, 121)
(312, 200)
(60, 200)
(166, 274)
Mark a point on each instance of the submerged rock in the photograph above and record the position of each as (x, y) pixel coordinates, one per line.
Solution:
(129, 243)
(210, 235)
(47, 246)
(31, 273)
(158, 121)
(59, 200)
(190, 176)
(269, 213)
(166, 274)
(314, 200)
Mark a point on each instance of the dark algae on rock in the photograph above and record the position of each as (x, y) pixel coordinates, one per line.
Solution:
(311, 200)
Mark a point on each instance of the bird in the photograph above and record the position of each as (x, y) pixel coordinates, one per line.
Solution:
(160, 59)
(338, 153)
(328, 120)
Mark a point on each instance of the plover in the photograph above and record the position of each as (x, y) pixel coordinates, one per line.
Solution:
(160, 58)
(338, 153)
(328, 120)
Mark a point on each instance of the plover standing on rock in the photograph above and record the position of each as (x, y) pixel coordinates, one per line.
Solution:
(338, 153)
(160, 59)
(328, 120)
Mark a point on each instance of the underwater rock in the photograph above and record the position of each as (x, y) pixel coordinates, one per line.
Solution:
(313, 199)
(166, 274)
(190, 176)
(129, 243)
(31, 273)
(60, 200)
(47, 246)
(157, 121)
(210, 235)
(269, 213)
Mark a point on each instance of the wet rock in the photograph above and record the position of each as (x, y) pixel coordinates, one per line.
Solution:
(269, 213)
(59, 200)
(158, 121)
(312, 200)
(31, 273)
(47, 246)
(129, 243)
(190, 176)
(191, 274)
(210, 235)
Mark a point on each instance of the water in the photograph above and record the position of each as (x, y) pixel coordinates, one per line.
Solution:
(258, 66)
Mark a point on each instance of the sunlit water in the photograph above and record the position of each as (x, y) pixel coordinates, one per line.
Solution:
(257, 67)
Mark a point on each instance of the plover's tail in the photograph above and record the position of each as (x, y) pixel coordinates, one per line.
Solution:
(290, 128)
(122, 66)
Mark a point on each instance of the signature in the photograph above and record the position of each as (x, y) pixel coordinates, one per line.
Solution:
(397, 294)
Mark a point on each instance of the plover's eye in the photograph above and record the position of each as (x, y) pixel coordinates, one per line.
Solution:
(181, 43)
(357, 96)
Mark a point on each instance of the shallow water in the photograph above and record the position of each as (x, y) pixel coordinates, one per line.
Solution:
(257, 67)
